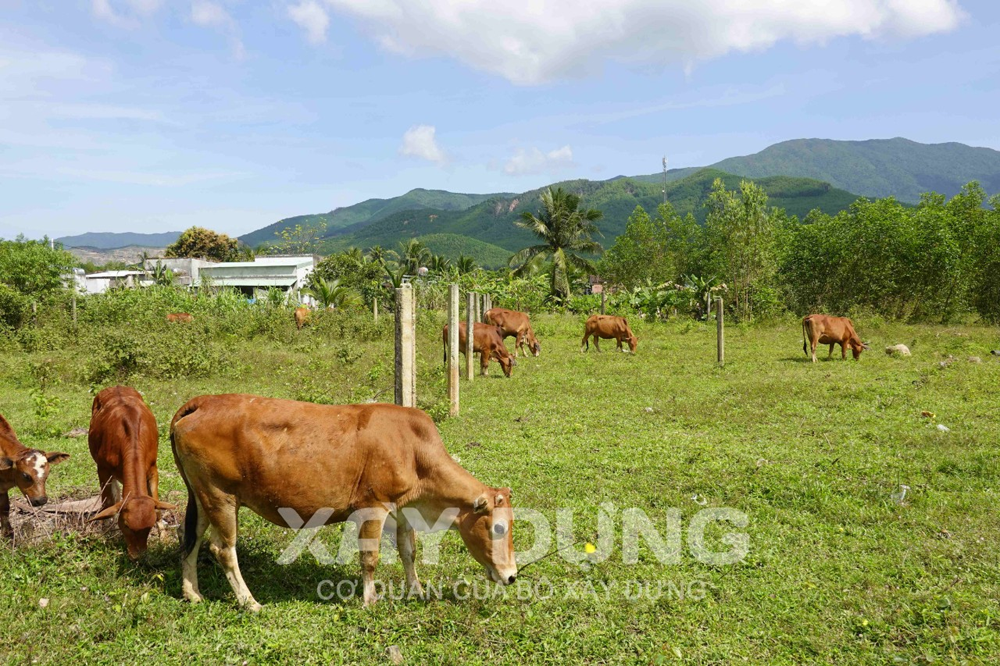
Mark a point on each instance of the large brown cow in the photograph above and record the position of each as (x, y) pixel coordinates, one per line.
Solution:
(824, 329)
(298, 462)
(608, 327)
(301, 317)
(488, 342)
(180, 317)
(23, 468)
(123, 442)
(517, 325)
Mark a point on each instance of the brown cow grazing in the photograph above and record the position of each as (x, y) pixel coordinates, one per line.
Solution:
(301, 317)
(180, 317)
(608, 327)
(823, 329)
(517, 325)
(22, 468)
(488, 342)
(123, 442)
(298, 462)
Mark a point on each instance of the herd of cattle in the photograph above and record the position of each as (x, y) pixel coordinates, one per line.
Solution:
(381, 466)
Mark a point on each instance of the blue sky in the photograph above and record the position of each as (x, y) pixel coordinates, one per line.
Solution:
(155, 115)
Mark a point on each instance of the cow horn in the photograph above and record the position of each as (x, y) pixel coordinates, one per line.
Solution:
(481, 504)
(165, 506)
(107, 513)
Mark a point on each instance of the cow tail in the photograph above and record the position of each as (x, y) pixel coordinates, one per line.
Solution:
(805, 343)
(189, 538)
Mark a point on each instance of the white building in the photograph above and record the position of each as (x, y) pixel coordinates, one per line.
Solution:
(98, 283)
(285, 273)
(185, 270)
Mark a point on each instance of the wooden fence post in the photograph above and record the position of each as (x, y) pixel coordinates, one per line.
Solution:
(470, 327)
(604, 301)
(375, 310)
(721, 337)
(405, 347)
(453, 320)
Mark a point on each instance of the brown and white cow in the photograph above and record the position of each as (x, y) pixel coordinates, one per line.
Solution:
(608, 327)
(180, 317)
(123, 442)
(824, 329)
(488, 342)
(517, 325)
(22, 468)
(288, 461)
(301, 317)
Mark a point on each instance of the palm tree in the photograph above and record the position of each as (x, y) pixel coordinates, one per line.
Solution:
(439, 264)
(377, 254)
(564, 230)
(465, 264)
(413, 255)
(355, 254)
(331, 293)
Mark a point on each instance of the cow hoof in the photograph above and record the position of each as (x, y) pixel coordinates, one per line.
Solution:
(254, 607)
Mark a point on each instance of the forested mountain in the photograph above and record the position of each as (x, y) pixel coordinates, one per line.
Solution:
(492, 221)
(370, 211)
(110, 241)
(878, 168)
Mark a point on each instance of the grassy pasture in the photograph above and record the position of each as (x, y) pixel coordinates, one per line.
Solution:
(839, 570)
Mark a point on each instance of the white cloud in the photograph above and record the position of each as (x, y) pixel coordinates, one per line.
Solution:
(213, 15)
(124, 13)
(210, 14)
(312, 18)
(419, 141)
(532, 160)
(534, 41)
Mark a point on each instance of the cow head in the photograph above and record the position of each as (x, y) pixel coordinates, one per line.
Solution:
(633, 342)
(136, 517)
(487, 530)
(30, 469)
(505, 359)
(536, 348)
(857, 347)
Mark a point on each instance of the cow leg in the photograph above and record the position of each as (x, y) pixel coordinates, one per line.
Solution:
(585, 345)
(597, 343)
(830, 355)
(812, 347)
(369, 540)
(189, 563)
(223, 545)
(5, 529)
(110, 493)
(406, 542)
(153, 482)
(843, 351)
(484, 363)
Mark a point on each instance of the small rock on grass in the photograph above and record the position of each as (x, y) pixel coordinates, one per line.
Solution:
(395, 654)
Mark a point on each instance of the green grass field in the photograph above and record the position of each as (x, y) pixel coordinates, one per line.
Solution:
(839, 570)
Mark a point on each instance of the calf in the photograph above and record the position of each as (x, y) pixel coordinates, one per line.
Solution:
(301, 317)
(517, 325)
(293, 462)
(22, 468)
(123, 442)
(824, 329)
(180, 317)
(608, 327)
(488, 341)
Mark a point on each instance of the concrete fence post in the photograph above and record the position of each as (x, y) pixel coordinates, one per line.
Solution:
(720, 331)
(406, 370)
(375, 309)
(453, 320)
(470, 327)
(604, 301)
